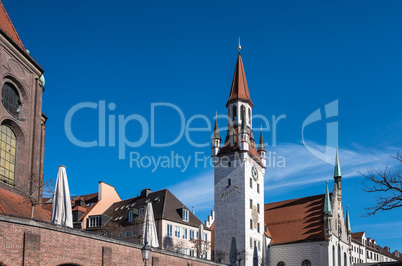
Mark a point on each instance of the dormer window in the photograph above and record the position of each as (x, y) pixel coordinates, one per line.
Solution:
(185, 215)
(141, 213)
(130, 216)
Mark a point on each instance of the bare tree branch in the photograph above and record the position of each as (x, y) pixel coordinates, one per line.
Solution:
(386, 184)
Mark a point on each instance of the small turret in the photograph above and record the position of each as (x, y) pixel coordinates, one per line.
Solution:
(348, 227)
(261, 150)
(337, 174)
(327, 203)
(244, 135)
(327, 214)
(216, 139)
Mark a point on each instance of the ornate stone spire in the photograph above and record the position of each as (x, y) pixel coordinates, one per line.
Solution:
(348, 227)
(261, 146)
(327, 203)
(337, 172)
(215, 134)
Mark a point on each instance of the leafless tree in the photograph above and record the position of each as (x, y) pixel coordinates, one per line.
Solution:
(111, 229)
(386, 184)
(201, 246)
(219, 255)
(241, 254)
(32, 195)
(179, 245)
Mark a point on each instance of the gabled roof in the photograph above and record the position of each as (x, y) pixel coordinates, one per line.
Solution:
(12, 204)
(296, 220)
(8, 28)
(165, 206)
(239, 90)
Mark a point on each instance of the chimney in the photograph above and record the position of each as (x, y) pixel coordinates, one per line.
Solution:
(145, 192)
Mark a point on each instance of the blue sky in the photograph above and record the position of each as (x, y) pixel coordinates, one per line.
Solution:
(298, 56)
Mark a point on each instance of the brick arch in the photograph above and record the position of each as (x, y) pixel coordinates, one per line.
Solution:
(17, 84)
(18, 131)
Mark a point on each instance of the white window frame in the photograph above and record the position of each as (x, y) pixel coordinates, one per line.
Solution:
(186, 215)
(177, 231)
(169, 230)
(184, 233)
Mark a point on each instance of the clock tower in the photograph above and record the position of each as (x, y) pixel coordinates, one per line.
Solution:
(239, 177)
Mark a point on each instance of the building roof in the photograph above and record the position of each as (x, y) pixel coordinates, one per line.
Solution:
(12, 204)
(8, 28)
(165, 206)
(239, 90)
(296, 220)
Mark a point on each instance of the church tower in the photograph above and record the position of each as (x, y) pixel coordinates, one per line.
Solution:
(22, 122)
(239, 177)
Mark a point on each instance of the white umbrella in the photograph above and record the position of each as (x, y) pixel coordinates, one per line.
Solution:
(201, 240)
(61, 209)
(149, 229)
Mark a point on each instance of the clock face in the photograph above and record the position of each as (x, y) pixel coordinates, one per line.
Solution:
(254, 173)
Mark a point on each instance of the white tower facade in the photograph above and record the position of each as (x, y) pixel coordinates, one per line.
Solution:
(239, 179)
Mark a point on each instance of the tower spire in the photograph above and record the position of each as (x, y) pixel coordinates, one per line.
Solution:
(348, 227)
(261, 145)
(337, 171)
(327, 203)
(239, 90)
(239, 46)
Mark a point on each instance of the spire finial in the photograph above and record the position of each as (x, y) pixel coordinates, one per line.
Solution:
(216, 114)
(239, 47)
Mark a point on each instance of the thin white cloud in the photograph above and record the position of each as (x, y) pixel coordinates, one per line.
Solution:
(302, 168)
(197, 192)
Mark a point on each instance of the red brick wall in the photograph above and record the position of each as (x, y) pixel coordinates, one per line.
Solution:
(24, 242)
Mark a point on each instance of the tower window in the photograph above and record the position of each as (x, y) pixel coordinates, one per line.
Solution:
(251, 224)
(258, 227)
(258, 188)
(11, 99)
(281, 263)
(229, 182)
(234, 113)
(8, 144)
(258, 207)
(243, 112)
(306, 263)
(251, 183)
(251, 203)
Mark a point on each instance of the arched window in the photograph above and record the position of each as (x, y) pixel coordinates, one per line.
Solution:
(8, 146)
(281, 263)
(339, 255)
(306, 263)
(234, 113)
(10, 99)
(243, 112)
(333, 256)
(345, 259)
(249, 115)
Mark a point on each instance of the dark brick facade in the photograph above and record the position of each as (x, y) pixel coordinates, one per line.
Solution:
(20, 70)
(24, 242)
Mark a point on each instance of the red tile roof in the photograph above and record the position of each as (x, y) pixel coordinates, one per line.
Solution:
(239, 90)
(12, 204)
(8, 28)
(296, 220)
(228, 148)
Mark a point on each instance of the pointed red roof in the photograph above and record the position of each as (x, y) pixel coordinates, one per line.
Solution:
(239, 90)
(8, 28)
